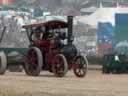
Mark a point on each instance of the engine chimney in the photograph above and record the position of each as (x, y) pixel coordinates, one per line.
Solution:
(70, 29)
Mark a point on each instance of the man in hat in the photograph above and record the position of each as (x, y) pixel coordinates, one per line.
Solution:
(37, 36)
(40, 37)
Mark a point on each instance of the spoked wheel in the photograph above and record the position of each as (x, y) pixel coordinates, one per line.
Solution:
(80, 68)
(33, 62)
(60, 66)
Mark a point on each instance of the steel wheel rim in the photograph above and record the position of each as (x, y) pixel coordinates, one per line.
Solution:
(80, 67)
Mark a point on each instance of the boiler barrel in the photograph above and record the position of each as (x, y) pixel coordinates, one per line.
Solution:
(69, 51)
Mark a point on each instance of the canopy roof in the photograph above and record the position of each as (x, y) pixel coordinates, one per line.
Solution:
(53, 24)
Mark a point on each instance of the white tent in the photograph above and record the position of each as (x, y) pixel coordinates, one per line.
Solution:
(102, 15)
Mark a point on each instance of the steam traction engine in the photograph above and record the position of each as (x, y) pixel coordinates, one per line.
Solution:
(55, 52)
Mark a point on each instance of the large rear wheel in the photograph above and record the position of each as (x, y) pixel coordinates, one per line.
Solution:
(33, 62)
(81, 66)
(60, 66)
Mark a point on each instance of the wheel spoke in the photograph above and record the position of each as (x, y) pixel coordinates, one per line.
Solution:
(79, 71)
(82, 62)
(84, 66)
(80, 68)
(79, 61)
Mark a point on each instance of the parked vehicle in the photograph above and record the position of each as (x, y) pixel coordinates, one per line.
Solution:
(117, 60)
(11, 58)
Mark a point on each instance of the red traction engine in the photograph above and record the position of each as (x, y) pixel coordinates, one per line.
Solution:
(55, 51)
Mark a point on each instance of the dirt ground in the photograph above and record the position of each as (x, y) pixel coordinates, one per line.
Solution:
(94, 84)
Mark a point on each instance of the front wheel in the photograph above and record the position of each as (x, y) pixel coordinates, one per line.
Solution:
(60, 66)
(81, 66)
(33, 62)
